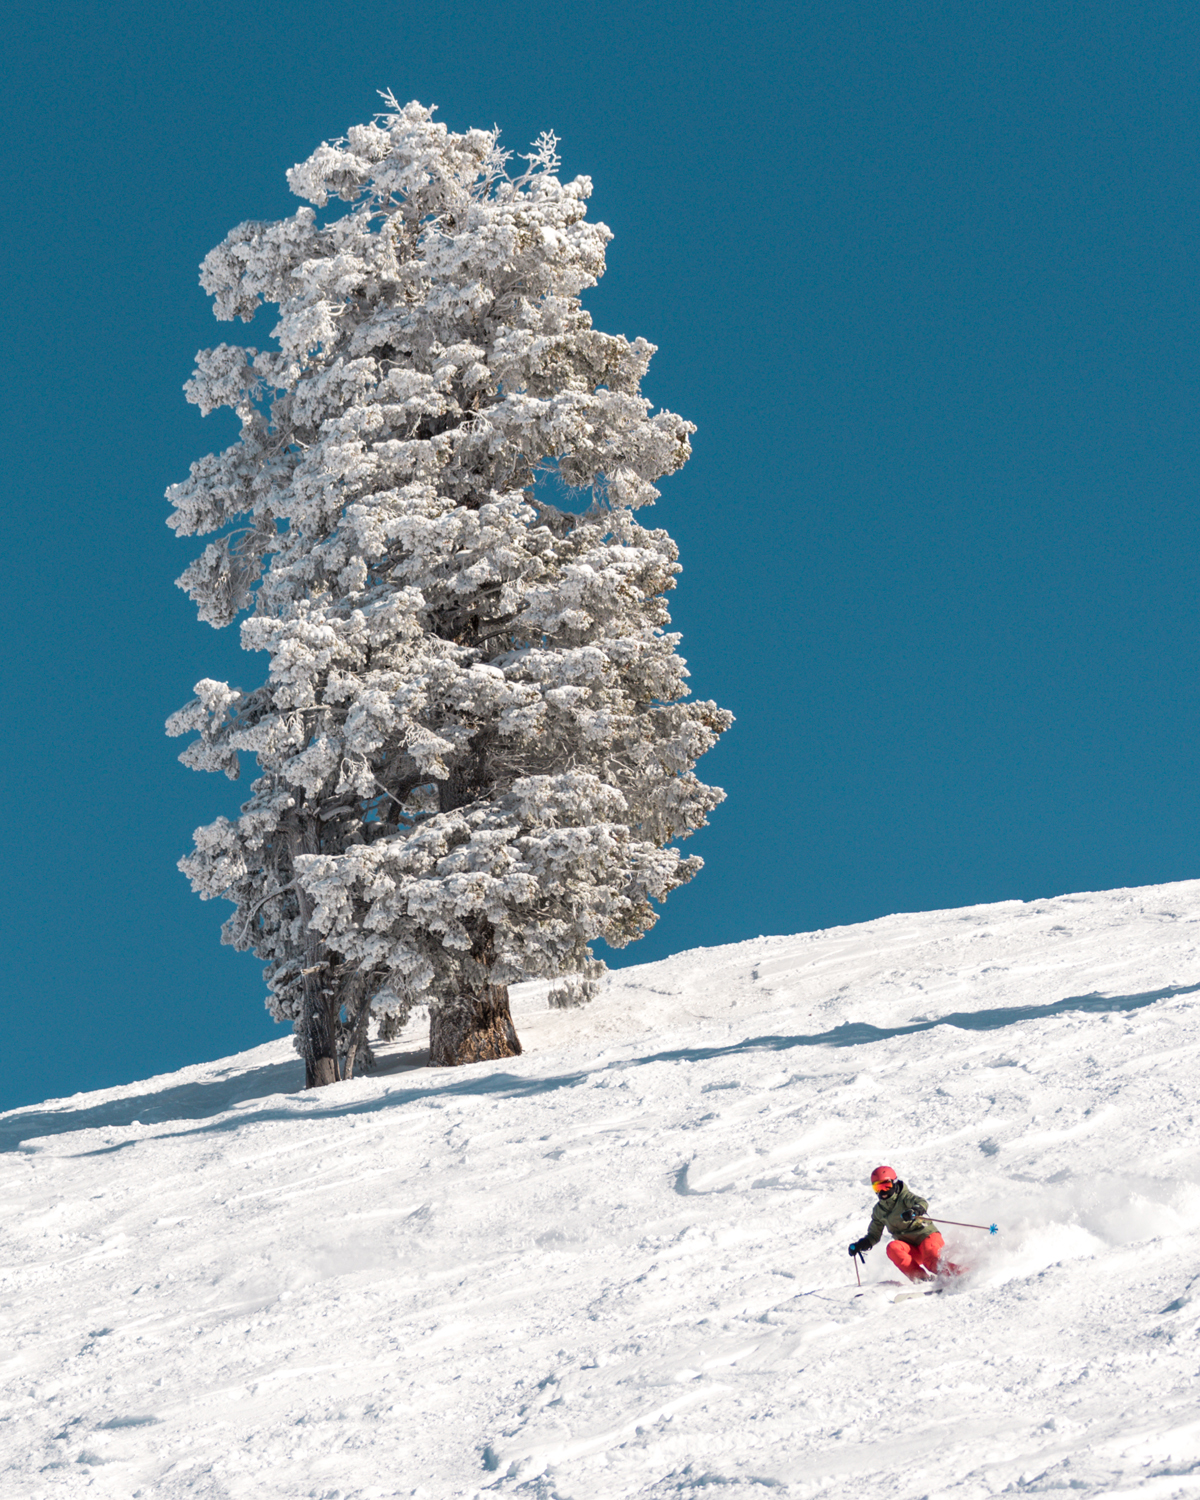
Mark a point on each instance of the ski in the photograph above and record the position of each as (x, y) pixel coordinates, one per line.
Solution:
(874, 1286)
(933, 1291)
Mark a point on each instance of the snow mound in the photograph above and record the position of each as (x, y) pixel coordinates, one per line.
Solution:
(616, 1266)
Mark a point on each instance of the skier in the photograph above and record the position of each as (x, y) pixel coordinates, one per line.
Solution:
(916, 1246)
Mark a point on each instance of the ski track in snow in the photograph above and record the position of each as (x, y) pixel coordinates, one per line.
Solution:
(616, 1266)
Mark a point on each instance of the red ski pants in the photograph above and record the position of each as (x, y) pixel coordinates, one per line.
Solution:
(918, 1262)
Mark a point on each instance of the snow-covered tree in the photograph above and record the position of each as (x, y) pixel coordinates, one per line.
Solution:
(473, 747)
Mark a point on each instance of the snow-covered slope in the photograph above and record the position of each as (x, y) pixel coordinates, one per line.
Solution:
(617, 1265)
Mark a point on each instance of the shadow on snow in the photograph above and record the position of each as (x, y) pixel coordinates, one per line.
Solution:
(202, 1101)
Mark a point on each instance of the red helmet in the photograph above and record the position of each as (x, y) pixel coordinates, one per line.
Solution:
(882, 1175)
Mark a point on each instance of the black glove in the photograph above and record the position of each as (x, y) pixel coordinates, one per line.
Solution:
(860, 1247)
(909, 1215)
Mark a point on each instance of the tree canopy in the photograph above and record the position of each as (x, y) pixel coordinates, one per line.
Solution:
(475, 755)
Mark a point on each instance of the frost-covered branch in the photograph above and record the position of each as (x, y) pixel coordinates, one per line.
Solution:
(258, 906)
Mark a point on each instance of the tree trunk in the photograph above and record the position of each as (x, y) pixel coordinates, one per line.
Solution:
(321, 1068)
(477, 1026)
(318, 1033)
(318, 1019)
(476, 1029)
(358, 1029)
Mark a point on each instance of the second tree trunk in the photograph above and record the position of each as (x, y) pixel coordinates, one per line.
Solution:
(476, 1029)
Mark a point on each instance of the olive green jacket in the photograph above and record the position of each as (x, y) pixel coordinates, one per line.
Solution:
(886, 1215)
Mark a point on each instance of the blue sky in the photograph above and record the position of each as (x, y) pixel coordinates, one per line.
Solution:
(924, 278)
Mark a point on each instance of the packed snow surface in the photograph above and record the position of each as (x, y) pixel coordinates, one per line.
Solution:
(617, 1265)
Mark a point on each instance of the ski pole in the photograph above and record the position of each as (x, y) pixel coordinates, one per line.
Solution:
(991, 1228)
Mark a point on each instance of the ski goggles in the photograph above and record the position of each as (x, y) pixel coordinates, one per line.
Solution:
(883, 1187)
